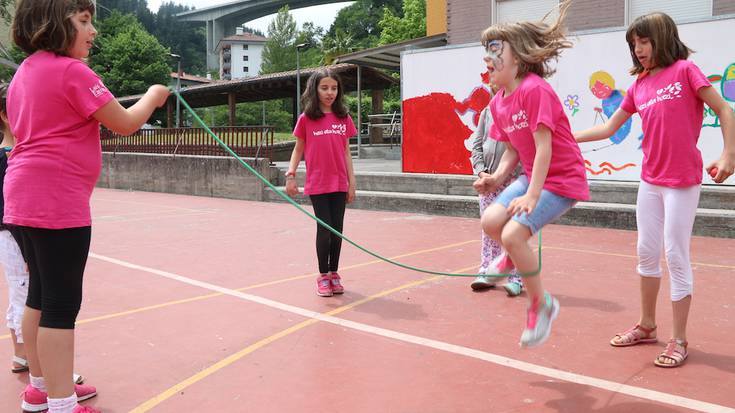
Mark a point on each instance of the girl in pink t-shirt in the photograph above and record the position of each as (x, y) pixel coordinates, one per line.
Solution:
(322, 135)
(669, 95)
(529, 118)
(55, 106)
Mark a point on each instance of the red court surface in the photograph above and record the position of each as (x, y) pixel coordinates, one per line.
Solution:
(197, 304)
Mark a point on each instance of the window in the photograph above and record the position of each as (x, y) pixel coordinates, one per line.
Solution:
(518, 10)
(244, 47)
(244, 58)
(245, 69)
(679, 10)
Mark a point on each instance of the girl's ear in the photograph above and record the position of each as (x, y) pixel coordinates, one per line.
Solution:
(4, 117)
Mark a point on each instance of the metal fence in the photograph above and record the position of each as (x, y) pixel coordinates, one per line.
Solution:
(246, 141)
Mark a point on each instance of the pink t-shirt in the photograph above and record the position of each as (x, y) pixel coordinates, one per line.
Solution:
(672, 120)
(57, 156)
(519, 115)
(326, 141)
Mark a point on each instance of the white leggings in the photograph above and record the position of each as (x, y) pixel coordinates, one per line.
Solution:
(17, 276)
(666, 216)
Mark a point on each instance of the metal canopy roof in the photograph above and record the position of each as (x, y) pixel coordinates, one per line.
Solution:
(389, 56)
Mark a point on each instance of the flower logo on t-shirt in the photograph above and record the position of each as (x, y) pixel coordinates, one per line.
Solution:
(670, 92)
(673, 89)
(520, 116)
(520, 121)
(333, 129)
(340, 128)
(98, 90)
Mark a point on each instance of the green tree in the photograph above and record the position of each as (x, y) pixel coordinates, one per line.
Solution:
(311, 35)
(139, 8)
(130, 60)
(6, 12)
(411, 26)
(361, 20)
(338, 44)
(279, 53)
(14, 54)
(187, 40)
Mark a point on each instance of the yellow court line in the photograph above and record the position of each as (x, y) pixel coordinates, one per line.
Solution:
(611, 254)
(165, 395)
(252, 287)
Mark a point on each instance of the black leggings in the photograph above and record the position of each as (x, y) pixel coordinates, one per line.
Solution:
(56, 259)
(330, 208)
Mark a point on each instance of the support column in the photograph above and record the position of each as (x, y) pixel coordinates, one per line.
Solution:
(376, 134)
(359, 109)
(293, 110)
(231, 104)
(169, 114)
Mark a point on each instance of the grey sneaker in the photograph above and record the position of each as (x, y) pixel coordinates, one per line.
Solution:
(541, 315)
(482, 283)
(512, 288)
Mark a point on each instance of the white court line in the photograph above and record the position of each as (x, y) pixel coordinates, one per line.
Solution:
(611, 386)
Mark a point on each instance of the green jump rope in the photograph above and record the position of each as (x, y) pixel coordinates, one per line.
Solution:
(325, 225)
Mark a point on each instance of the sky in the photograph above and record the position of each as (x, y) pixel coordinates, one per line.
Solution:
(320, 15)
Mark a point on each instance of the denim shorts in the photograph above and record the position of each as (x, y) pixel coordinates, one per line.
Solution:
(549, 207)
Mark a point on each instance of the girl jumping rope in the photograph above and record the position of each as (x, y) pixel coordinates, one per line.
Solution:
(486, 155)
(55, 106)
(530, 119)
(669, 94)
(323, 133)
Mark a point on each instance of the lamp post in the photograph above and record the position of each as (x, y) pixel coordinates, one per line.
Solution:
(298, 77)
(178, 87)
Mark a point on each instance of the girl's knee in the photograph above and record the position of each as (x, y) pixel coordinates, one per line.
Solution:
(515, 236)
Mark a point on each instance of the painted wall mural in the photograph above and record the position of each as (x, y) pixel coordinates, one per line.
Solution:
(444, 90)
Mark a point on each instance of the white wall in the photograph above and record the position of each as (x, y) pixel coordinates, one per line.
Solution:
(457, 70)
(254, 63)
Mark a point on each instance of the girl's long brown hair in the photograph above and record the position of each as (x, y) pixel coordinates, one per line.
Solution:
(310, 97)
(661, 30)
(46, 24)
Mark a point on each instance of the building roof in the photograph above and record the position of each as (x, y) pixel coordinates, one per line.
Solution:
(245, 37)
(271, 86)
(190, 78)
(241, 39)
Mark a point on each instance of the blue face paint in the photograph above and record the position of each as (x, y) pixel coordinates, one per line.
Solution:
(494, 50)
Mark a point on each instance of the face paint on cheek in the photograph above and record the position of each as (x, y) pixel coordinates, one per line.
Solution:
(494, 51)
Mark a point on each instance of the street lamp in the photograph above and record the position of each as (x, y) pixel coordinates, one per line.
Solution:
(178, 87)
(298, 77)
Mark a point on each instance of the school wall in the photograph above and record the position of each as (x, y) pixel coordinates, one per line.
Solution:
(466, 19)
(722, 7)
(444, 89)
(190, 175)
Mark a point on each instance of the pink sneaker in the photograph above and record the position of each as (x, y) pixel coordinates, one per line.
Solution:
(85, 409)
(501, 265)
(337, 287)
(324, 286)
(35, 400)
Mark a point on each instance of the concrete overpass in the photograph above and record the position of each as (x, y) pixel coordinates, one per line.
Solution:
(221, 20)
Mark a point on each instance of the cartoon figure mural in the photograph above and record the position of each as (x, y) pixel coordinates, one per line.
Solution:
(727, 88)
(602, 85)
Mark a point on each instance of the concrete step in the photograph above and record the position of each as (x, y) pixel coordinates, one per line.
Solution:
(712, 197)
(709, 222)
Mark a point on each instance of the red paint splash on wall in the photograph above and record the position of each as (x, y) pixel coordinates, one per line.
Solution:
(433, 135)
(477, 101)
